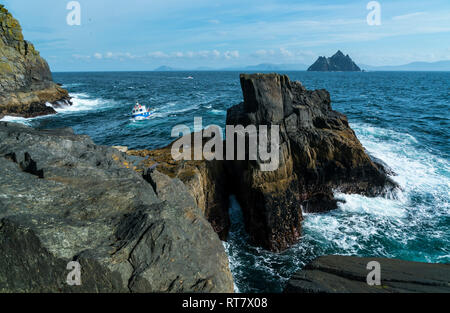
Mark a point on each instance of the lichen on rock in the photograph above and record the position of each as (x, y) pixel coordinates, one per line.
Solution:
(64, 198)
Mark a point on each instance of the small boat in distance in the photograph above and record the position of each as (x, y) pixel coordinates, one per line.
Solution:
(140, 112)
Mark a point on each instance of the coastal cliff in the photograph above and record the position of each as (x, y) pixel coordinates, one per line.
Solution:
(131, 228)
(26, 84)
(337, 63)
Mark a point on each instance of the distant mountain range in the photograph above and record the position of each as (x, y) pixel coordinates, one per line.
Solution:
(166, 68)
(271, 67)
(259, 67)
(414, 66)
(264, 67)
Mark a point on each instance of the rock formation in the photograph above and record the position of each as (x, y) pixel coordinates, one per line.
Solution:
(319, 152)
(206, 181)
(132, 228)
(337, 63)
(347, 274)
(25, 79)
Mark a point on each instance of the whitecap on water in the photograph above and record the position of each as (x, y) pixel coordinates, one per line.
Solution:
(16, 119)
(408, 226)
(218, 112)
(83, 102)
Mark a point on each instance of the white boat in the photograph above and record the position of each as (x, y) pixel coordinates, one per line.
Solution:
(140, 112)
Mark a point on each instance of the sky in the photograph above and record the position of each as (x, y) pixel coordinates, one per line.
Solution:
(145, 34)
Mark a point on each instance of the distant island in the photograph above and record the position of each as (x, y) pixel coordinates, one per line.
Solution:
(271, 67)
(337, 63)
(165, 68)
(437, 66)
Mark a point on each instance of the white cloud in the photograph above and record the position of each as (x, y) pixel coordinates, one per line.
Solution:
(158, 54)
(204, 54)
(264, 53)
(178, 54)
(214, 21)
(286, 53)
(216, 53)
(115, 55)
(231, 54)
(81, 57)
(407, 16)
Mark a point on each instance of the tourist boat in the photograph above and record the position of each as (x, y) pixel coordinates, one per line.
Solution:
(140, 112)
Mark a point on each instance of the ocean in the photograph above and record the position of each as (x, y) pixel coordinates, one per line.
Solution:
(400, 117)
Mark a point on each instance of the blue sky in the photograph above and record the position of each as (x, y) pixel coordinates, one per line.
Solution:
(144, 34)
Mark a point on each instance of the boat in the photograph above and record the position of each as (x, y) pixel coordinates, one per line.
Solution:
(140, 112)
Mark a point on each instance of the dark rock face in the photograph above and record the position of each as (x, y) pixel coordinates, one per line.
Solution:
(25, 79)
(347, 274)
(319, 152)
(206, 181)
(64, 198)
(337, 63)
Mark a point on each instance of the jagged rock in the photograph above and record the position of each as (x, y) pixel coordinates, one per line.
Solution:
(206, 181)
(337, 63)
(25, 79)
(319, 152)
(64, 198)
(348, 274)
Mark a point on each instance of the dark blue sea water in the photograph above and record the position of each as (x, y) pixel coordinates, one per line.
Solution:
(400, 117)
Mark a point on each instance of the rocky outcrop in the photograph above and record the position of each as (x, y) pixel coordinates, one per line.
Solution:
(26, 84)
(206, 181)
(319, 153)
(337, 63)
(347, 274)
(63, 198)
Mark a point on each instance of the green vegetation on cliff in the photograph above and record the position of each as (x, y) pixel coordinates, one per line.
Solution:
(25, 79)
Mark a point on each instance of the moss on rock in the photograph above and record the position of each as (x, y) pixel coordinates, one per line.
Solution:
(25, 78)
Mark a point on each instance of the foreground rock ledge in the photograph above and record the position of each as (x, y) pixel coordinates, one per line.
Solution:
(347, 274)
(26, 84)
(64, 198)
